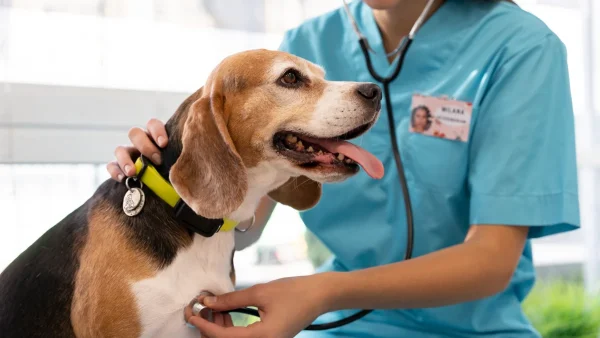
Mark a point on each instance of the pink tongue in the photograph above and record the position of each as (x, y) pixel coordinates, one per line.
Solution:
(372, 166)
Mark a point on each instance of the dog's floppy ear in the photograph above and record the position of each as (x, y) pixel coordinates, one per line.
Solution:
(209, 175)
(300, 193)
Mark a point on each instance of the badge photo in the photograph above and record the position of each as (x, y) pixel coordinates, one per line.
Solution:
(440, 117)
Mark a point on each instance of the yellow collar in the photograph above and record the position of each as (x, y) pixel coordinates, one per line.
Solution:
(163, 189)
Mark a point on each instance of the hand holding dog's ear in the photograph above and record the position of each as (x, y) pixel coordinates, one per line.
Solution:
(142, 144)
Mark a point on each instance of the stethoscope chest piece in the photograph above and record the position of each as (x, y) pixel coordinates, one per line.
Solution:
(199, 309)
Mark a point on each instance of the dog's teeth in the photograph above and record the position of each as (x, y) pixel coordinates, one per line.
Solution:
(320, 152)
(291, 138)
(310, 149)
(340, 157)
(348, 160)
(299, 146)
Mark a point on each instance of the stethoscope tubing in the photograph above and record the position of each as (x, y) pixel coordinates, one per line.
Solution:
(385, 81)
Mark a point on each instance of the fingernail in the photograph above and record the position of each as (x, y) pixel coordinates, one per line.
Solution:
(161, 141)
(156, 158)
(120, 177)
(210, 300)
(190, 325)
(127, 168)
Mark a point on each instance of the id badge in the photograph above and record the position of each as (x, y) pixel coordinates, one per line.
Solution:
(440, 117)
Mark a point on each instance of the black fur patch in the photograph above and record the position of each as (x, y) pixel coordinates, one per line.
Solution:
(154, 230)
(36, 289)
(174, 128)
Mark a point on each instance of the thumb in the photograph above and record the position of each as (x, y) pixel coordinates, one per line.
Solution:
(230, 301)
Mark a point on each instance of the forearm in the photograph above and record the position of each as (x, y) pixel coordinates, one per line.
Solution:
(457, 274)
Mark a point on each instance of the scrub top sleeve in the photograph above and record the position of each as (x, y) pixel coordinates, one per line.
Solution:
(522, 166)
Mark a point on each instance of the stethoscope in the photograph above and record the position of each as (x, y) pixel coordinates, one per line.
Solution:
(385, 81)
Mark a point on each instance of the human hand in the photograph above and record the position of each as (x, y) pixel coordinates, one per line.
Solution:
(219, 318)
(140, 139)
(286, 307)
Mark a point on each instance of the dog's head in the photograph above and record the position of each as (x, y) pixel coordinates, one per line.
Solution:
(274, 110)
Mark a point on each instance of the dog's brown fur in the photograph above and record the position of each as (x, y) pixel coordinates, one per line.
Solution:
(220, 123)
(86, 265)
(102, 301)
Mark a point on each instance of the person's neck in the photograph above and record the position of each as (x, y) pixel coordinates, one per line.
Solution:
(395, 23)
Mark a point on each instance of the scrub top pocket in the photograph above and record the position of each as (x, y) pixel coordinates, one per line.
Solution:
(432, 162)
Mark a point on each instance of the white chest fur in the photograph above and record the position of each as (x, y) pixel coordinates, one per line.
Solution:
(261, 180)
(205, 265)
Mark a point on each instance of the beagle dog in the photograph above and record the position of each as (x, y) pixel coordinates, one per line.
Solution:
(264, 123)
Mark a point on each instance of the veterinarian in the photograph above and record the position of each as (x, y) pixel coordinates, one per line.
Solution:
(476, 202)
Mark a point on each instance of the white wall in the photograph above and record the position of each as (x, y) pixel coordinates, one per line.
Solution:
(59, 124)
(71, 86)
(591, 185)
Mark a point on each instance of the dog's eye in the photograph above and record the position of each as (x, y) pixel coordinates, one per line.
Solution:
(289, 78)
(292, 78)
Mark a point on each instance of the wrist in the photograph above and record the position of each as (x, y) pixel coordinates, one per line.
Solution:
(329, 287)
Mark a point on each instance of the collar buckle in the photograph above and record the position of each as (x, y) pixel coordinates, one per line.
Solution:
(203, 226)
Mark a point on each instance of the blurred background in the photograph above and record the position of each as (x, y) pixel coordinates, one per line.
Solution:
(75, 75)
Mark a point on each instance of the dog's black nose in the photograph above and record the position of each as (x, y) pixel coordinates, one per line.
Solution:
(370, 92)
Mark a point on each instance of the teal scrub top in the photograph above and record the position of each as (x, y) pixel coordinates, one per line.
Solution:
(518, 167)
